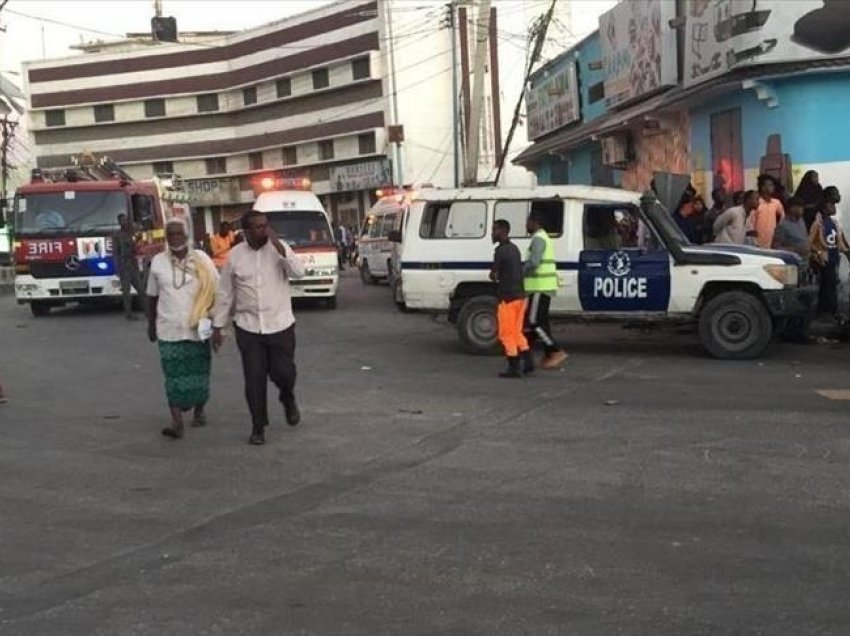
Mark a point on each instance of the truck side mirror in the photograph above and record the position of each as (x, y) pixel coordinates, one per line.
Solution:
(142, 211)
(394, 236)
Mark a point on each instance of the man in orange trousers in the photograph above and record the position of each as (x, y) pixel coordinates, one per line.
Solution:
(507, 273)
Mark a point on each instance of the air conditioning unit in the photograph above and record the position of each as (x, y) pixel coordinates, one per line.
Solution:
(616, 151)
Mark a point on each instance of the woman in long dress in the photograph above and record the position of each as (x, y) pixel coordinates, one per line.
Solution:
(181, 291)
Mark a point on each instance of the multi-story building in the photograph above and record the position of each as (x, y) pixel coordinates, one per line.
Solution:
(310, 96)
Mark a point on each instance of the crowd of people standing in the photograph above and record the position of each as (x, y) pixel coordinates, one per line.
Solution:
(805, 223)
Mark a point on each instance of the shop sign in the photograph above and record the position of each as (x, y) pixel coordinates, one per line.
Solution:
(203, 192)
(360, 176)
(552, 101)
(722, 35)
(638, 49)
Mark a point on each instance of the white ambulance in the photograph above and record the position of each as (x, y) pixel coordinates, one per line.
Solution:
(299, 218)
(374, 246)
(619, 256)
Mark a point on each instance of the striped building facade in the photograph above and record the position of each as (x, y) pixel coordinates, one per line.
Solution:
(304, 97)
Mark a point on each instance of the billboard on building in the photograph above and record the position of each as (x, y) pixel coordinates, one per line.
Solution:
(638, 49)
(360, 176)
(722, 35)
(552, 99)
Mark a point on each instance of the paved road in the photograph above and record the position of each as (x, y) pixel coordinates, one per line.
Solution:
(645, 489)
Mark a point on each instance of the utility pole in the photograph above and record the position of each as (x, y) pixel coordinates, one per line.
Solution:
(539, 33)
(450, 23)
(394, 94)
(473, 134)
(7, 133)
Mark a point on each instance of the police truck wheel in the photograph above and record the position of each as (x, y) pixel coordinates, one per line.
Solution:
(735, 325)
(39, 308)
(478, 326)
(366, 274)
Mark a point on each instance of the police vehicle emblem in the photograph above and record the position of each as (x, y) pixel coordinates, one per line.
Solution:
(619, 264)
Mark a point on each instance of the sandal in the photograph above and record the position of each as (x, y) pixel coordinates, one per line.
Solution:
(200, 421)
(172, 433)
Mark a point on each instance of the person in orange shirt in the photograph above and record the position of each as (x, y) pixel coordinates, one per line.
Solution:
(769, 212)
(221, 243)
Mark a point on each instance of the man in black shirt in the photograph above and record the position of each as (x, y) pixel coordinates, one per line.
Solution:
(507, 273)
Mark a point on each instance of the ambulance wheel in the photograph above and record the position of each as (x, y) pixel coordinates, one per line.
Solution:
(366, 274)
(478, 326)
(735, 325)
(39, 308)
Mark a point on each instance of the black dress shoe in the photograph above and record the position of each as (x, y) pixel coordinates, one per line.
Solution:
(257, 439)
(293, 414)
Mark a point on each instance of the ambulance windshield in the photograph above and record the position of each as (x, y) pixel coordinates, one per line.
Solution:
(76, 212)
(302, 228)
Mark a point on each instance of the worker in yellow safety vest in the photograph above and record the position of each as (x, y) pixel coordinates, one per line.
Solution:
(541, 284)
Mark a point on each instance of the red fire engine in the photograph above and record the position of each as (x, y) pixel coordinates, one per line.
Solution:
(65, 223)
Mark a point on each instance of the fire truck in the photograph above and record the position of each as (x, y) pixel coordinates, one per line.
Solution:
(65, 223)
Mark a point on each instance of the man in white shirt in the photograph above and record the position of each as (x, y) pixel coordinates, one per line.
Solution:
(254, 292)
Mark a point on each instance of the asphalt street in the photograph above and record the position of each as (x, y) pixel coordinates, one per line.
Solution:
(643, 489)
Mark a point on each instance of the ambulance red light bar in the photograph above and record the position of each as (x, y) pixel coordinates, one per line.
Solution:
(280, 183)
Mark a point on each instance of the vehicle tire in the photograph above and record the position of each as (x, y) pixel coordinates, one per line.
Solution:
(735, 325)
(398, 298)
(478, 325)
(39, 308)
(366, 274)
(330, 303)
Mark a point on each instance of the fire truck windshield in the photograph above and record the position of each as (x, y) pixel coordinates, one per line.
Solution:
(302, 228)
(77, 212)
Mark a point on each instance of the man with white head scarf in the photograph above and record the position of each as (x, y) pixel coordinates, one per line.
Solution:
(181, 293)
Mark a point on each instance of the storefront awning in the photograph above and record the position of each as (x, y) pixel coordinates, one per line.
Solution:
(671, 100)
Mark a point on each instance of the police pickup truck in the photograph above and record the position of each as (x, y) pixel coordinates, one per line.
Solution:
(619, 256)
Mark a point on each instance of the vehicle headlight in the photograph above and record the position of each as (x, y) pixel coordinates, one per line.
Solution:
(786, 274)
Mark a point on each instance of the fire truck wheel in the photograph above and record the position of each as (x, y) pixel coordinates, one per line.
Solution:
(39, 308)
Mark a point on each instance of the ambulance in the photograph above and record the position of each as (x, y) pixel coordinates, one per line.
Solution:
(386, 217)
(620, 257)
(299, 219)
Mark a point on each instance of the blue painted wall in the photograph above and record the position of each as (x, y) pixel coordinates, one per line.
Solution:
(812, 117)
(589, 51)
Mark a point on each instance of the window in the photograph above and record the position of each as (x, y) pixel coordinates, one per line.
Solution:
(255, 161)
(216, 165)
(163, 167)
(516, 213)
(459, 219)
(54, 117)
(321, 78)
(596, 92)
(615, 227)
(360, 69)
(249, 95)
(326, 149)
(290, 156)
(387, 224)
(104, 112)
(207, 103)
(366, 142)
(284, 87)
(154, 108)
